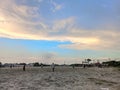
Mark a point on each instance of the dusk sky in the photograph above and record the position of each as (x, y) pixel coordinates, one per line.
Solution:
(60, 31)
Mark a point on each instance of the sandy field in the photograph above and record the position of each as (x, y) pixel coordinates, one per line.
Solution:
(64, 78)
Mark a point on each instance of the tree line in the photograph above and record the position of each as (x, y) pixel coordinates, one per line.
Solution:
(112, 63)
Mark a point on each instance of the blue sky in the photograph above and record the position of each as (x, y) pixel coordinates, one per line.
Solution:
(68, 30)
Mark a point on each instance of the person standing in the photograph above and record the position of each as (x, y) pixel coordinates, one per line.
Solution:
(11, 66)
(73, 66)
(41, 65)
(84, 65)
(53, 67)
(24, 67)
(0, 64)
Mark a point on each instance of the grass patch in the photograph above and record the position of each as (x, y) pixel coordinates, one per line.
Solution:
(100, 81)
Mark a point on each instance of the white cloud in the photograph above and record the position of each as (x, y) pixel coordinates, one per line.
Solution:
(40, 59)
(16, 22)
(56, 7)
(40, 1)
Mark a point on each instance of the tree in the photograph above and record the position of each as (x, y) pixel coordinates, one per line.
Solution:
(36, 64)
(112, 63)
(88, 60)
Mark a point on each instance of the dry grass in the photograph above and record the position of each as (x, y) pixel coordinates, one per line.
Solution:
(64, 78)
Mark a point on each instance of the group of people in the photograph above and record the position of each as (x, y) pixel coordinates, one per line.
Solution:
(52, 66)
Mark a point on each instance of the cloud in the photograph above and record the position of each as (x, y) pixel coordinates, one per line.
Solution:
(23, 22)
(94, 40)
(56, 7)
(40, 1)
(40, 59)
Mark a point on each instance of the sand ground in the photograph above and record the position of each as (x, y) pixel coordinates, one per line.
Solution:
(64, 78)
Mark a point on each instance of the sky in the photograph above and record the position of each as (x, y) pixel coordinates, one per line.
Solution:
(60, 31)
